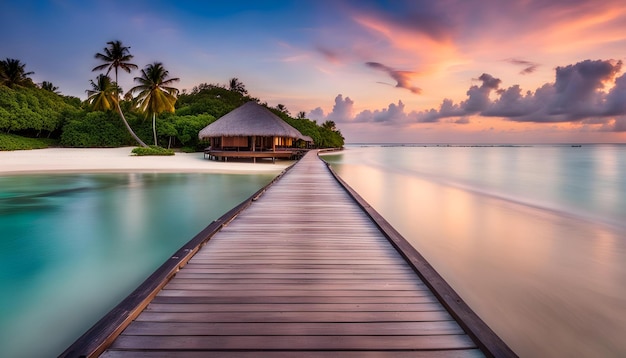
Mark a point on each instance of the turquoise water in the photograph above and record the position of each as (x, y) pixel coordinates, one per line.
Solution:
(533, 238)
(73, 246)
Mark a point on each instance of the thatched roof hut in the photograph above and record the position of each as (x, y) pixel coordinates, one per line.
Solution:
(252, 131)
(251, 119)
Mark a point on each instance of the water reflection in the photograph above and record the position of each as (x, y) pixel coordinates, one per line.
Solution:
(73, 246)
(550, 283)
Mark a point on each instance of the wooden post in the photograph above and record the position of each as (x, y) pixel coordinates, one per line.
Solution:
(254, 148)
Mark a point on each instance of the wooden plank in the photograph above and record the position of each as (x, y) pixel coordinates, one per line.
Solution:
(197, 268)
(254, 277)
(427, 297)
(305, 266)
(298, 281)
(294, 342)
(466, 353)
(294, 307)
(148, 316)
(256, 287)
(139, 328)
(295, 293)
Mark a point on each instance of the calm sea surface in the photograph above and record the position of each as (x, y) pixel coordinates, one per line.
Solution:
(533, 238)
(73, 246)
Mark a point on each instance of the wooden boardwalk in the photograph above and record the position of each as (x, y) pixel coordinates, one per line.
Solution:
(303, 271)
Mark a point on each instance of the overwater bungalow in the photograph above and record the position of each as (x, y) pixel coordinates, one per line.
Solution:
(253, 131)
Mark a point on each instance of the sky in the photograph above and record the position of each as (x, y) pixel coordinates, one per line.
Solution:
(414, 71)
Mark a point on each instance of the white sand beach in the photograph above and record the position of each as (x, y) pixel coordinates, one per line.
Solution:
(89, 160)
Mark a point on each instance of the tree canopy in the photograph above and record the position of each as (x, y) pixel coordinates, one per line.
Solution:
(104, 96)
(32, 111)
(155, 93)
(42, 111)
(115, 56)
(13, 74)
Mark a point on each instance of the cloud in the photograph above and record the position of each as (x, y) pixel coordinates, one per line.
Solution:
(330, 55)
(478, 97)
(619, 124)
(529, 67)
(342, 111)
(477, 101)
(578, 93)
(422, 17)
(317, 114)
(616, 98)
(577, 86)
(394, 113)
(402, 78)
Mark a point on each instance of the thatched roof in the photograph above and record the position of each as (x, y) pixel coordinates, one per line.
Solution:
(251, 119)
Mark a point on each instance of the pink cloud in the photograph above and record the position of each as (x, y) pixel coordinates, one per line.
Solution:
(402, 78)
(577, 94)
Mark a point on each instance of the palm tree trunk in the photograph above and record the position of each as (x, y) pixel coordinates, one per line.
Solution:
(154, 128)
(119, 111)
(130, 130)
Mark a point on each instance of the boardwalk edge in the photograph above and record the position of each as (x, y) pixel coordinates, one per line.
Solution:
(484, 337)
(97, 339)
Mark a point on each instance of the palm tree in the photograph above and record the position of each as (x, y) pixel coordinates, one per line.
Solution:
(155, 96)
(12, 73)
(330, 125)
(281, 107)
(114, 57)
(48, 86)
(104, 95)
(237, 86)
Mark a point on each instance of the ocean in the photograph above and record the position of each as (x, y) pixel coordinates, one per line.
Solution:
(532, 237)
(72, 246)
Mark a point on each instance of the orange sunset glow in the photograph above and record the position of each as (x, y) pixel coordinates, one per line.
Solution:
(404, 71)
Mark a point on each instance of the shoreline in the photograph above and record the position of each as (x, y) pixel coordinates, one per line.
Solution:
(120, 160)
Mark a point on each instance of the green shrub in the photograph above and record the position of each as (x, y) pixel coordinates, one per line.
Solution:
(95, 129)
(152, 150)
(32, 110)
(188, 150)
(15, 142)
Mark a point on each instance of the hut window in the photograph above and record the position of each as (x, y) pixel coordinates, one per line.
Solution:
(282, 141)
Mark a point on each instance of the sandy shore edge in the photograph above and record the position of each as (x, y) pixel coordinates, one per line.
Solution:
(96, 160)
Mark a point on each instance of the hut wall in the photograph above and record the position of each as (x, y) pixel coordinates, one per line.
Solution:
(235, 142)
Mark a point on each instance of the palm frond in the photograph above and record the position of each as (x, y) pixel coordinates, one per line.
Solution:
(115, 56)
(100, 67)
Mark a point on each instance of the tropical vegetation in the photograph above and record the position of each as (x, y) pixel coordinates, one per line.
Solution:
(152, 150)
(13, 74)
(105, 93)
(38, 115)
(16, 142)
(155, 94)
